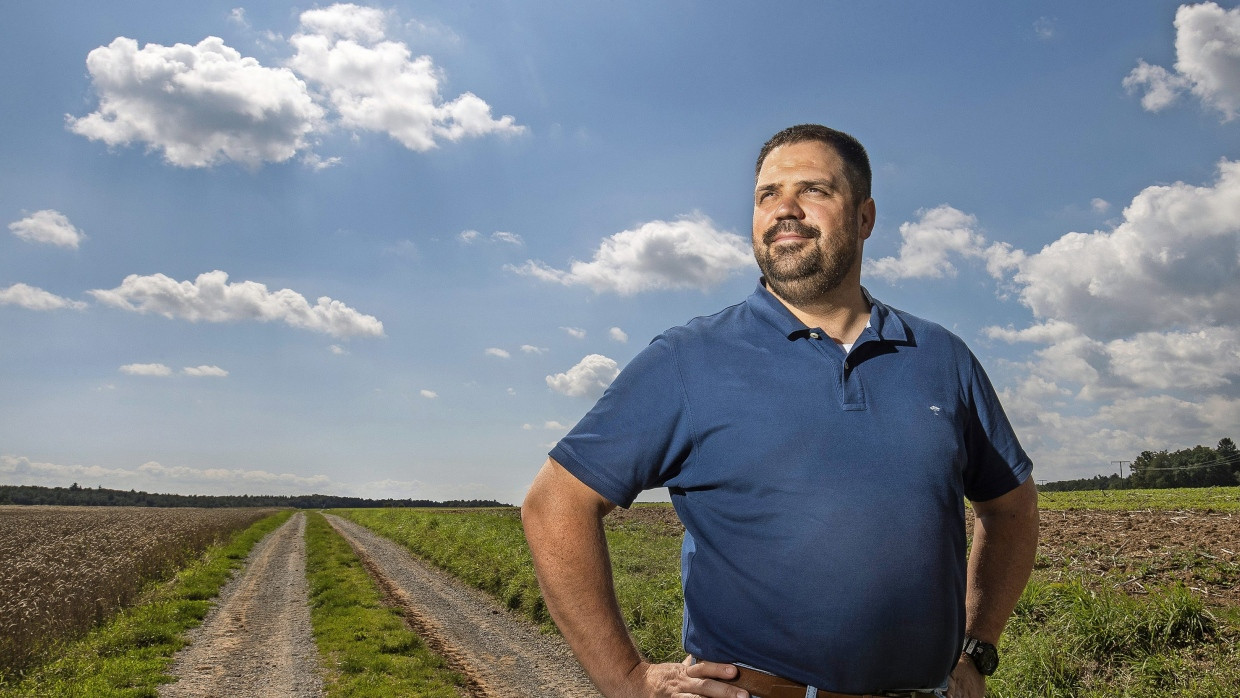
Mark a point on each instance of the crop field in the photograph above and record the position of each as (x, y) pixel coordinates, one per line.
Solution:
(64, 569)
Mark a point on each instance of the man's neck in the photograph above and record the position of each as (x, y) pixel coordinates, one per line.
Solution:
(842, 313)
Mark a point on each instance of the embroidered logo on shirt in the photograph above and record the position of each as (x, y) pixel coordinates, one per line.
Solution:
(936, 409)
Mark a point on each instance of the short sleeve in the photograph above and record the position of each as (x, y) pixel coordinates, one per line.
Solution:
(638, 434)
(996, 462)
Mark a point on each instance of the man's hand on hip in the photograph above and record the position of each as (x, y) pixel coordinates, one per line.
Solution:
(965, 681)
(683, 680)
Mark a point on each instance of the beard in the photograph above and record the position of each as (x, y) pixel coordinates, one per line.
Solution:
(808, 271)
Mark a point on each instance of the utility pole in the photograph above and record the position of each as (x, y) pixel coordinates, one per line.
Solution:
(1121, 470)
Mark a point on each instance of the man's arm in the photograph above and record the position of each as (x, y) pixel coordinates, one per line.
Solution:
(563, 521)
(1005, 539)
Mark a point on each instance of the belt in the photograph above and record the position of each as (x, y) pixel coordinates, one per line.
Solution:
(765, 685)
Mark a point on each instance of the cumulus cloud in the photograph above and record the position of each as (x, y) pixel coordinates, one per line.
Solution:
(1207, 47)
(1138, 331)
(337, 349)
(618, 334)
(204, 104)
(531, 349)
(428, 394)
(497, 352)
(468, 236)
(686, 253)
(156, 370)
(199, 105)
(929, 243)
(1099, 205)
(211, 298)
(376, 84)
(33, 298)
(507, 238)
(48, 227)
(574, 332)
(205, 371)
(589, 378)
(1172, 262)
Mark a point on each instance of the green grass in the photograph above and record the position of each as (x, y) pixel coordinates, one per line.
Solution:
(130, 654)
(1065, 640)
(487, 550)
(364, 644)
(1201, 498)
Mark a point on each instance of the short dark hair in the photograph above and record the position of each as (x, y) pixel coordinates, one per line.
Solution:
(850, 150)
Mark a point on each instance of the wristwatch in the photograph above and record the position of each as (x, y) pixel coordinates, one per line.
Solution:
(984, 655)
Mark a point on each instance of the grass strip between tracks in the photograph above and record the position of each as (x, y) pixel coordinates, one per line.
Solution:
(129, 655)
(364, 644)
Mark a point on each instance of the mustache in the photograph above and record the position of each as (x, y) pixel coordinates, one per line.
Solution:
(789, 225)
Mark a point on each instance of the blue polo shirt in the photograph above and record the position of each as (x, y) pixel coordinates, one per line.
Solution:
(821, 492)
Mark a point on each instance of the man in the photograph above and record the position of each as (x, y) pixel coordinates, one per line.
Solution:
(817, 446)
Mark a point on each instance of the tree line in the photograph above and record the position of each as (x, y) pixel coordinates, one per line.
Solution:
(76, 495)
(1199, 466)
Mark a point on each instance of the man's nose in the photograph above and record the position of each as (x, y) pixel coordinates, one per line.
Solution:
(789, 207)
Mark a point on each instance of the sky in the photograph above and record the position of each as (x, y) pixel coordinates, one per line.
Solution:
(398, 249)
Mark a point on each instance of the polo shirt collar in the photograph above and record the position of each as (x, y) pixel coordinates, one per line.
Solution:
(885, 325)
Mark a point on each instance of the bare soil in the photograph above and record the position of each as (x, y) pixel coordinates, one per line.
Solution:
(501, 655)
(256, 642)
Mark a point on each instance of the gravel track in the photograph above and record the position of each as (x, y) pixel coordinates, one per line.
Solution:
(256, 642)
(501, 655)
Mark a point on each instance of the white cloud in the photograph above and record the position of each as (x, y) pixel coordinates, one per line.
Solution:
(1099, 205)
(154, 477)
(1139, 328)
(337, 349)
(618, 334)
(1171, 263)
(1207, 47)
(531, 349)
(686, 253)
(468, 236)
(589, 378)
(929, 242)
(206, 104)
(157, 370)
(574, 332)
(552, 424)
(200, 105)
(211, 298)
(48, 227)
(497, 352)
(377, 84)
(507, 238)
(205, 371)
(1044, 28)
(428, 394)
(32, 298)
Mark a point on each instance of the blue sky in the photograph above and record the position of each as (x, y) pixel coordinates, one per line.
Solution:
(398, 249)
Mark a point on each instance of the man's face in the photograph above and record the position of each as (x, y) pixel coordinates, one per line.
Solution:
(807, 232)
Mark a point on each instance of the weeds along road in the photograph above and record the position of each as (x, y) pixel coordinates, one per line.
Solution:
(501, 656)
(256, 641)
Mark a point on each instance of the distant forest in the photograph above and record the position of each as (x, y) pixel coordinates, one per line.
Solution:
(85, 496)
(1199, 466)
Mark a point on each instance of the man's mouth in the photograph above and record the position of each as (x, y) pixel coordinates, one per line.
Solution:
(788, 230)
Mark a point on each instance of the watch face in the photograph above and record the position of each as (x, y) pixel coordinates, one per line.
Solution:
(987, 659)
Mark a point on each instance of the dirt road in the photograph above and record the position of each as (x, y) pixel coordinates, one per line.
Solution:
(501, 655)
(256, 641)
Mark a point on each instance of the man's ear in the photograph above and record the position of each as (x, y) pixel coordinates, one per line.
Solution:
(866, 214)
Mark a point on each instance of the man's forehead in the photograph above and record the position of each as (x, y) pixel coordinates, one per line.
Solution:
(801, 158)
